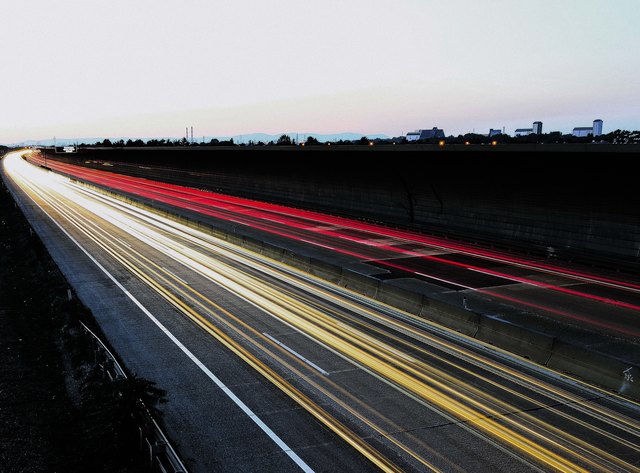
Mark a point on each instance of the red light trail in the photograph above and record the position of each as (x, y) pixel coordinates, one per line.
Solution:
(367, 241)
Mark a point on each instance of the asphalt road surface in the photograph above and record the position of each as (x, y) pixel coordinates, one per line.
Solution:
(531, 289)
(270, 369)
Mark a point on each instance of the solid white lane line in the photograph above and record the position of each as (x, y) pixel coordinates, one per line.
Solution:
(296, 354)
(444, 280)
(506, 276)
(317, 244)
(265, 428)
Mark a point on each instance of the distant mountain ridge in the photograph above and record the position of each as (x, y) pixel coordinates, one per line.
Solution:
(246, 138)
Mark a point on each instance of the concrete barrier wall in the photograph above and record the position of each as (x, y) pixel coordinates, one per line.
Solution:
(365, 285)
(516, 339)
(299, 261)
(598, 368)
(401, 298)
(460, 320)
(325, 270)
(604, 370)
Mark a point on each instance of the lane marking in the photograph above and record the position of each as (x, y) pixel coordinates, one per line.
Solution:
(296, 354)
(505, 276)
(123, 243)
(445, 281)
(317, 244)
(264, 427)
(175, 276)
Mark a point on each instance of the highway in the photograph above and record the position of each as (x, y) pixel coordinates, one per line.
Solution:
(280, 371)
(575, 297)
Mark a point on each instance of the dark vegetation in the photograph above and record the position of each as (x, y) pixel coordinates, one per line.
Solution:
(58, 412)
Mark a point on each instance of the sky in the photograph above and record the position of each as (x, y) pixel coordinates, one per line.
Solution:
(88, 68)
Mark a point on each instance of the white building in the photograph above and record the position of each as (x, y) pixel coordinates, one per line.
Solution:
(535, 130)
(597, 127)
(581, 131)
(523, 131)
(434, 132)
(595, 130)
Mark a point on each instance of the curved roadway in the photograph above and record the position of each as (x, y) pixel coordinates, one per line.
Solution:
(270, 369)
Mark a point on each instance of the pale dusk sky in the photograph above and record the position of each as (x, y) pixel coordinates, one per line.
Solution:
(86, 68)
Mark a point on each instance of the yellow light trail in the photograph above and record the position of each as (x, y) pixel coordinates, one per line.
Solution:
(320, 322)
(178, 303)
(204, 241)
(276, 301)
(333, 424)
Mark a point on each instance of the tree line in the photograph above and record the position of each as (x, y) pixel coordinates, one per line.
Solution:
(614, 137)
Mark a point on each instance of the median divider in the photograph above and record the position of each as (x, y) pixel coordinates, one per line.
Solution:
(601, 369)
(360, 283)
(608, 371)
(461, 320)
(299, 261)
(273, 252)
(519, 340)
(323, 270)
(401, 298)
(247, 243)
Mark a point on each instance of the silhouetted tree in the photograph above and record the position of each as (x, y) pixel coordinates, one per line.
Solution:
(111, 410)
(284, 140)
(617, 137)
(156, 142)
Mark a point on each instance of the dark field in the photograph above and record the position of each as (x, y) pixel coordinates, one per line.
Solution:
(57, 410)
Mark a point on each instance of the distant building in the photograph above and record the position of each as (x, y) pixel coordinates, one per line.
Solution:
(435, 132)
(535, 130)
(581, 131)
(595, 130)
(494, 132)
(413, 135)
(523, 131)
(597, 127)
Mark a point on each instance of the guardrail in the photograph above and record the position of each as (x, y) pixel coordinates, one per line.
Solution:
(161, 456)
